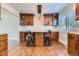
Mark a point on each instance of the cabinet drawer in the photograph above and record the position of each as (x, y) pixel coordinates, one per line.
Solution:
(73, 37)
(3, 45)
(3, 53)
(40, 35)
(3, 37)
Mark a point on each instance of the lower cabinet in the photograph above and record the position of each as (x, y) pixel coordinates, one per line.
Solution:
(73, 44)
(38, 39)
(3, 53)
(55, 36)
(22, 37)
(3, 45)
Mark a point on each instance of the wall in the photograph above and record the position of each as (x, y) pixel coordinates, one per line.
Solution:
(70, 12)
(63, 37)
(9, 24)
(9, 8)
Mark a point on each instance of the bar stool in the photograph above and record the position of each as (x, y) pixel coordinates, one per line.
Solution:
(30, 40)
(47, 39)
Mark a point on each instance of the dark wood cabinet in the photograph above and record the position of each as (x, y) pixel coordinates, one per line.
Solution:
(3, 45)
(26, 19)
(73, 44)
(77, 11)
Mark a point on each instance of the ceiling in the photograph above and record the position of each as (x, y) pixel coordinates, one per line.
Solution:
(32, 7)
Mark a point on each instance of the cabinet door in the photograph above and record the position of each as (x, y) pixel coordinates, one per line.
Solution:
(55, 19)
(3, 45)
(39, 39)
(31, 20)
(0, 11)
(22, 37)
(77, 11)
(22, 20)
(27, 20)
(46, 20)
(78, 48)
(55, 36)
(72, 47)
(3, 53)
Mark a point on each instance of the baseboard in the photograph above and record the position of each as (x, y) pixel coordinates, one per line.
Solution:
(63, 45)
(63, 42)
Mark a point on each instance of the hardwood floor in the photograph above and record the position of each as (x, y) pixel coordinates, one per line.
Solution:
(57, 49)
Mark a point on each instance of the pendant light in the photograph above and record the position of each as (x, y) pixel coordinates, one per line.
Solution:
(39, 8)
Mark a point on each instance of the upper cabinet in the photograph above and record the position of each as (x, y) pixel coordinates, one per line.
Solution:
(0, 11)
(55, 19)
(51, 19)
(26, 19)
(48, 19)
(77, 11)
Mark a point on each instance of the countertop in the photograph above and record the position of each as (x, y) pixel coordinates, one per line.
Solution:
(74, 31)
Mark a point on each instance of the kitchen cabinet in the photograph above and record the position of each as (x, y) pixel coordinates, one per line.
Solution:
(55, 19)
(77, 11)
(55, 36)
(51, 19)
(0, 11)
(22, 37)
(73, 44)
(3, 45)
(38, 39)
(48, 19)
(26, 19)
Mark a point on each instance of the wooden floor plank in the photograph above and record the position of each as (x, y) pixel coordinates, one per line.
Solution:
(56, 49)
